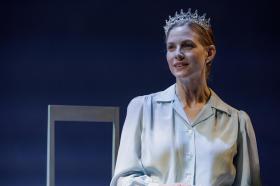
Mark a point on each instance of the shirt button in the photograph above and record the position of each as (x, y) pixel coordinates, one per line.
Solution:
(189, 156)
(189, 131)
(188, 178)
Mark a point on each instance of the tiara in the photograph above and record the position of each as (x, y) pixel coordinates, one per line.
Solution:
(183, 17)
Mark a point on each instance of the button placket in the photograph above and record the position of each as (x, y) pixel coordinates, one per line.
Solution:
(189, 131)
(189, 156)
(188, 178)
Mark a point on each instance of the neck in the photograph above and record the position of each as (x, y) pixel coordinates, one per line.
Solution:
(192, 92)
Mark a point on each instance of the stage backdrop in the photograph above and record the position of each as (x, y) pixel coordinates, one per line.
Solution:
(104, 53)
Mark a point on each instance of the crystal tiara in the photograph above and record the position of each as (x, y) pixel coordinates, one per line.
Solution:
(183, 17)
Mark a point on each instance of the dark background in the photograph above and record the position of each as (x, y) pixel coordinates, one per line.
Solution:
(107, 52)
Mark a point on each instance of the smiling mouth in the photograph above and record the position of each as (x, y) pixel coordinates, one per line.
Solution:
(180, 65)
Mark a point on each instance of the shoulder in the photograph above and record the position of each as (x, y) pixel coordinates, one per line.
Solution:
(244, 116)
(219, 104)
(164, 95)
(222, 106)
(239, 117)
(140, 101)
(245, 122)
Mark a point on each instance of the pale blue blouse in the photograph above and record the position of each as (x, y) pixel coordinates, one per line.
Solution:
(159, 145)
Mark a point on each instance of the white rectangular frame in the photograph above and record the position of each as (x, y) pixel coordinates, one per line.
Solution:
(79, 114)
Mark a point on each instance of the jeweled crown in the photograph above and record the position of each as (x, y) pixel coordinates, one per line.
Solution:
(183, 17)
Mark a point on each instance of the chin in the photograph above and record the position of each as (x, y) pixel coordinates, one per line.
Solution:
(181, 75)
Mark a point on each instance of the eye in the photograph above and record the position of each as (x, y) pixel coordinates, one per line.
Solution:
(170, 47)
(188, 45)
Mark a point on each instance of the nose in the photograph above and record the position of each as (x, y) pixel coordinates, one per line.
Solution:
(179, 55)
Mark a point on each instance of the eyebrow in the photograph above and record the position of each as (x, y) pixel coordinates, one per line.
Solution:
(184, 41)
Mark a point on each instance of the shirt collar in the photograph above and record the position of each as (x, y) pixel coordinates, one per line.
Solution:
(168, 95)
(216, 102)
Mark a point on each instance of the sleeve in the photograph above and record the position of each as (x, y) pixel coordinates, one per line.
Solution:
(129, 170)
(247, 160)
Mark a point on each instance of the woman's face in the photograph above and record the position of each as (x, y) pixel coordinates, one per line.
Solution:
(186, 56)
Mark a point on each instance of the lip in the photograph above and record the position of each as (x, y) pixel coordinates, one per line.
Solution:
(180, 64)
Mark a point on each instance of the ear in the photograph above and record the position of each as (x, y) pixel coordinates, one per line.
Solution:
(211, 52)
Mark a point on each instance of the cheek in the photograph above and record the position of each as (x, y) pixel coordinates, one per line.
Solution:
(197, 58)
(169, 58)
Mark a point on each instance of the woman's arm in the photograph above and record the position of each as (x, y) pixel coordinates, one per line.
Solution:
(129, 170)
(247, 159)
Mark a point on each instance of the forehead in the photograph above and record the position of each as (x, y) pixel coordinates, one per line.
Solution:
(181, 33)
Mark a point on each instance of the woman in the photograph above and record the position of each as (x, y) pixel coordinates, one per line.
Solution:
(186, 135)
